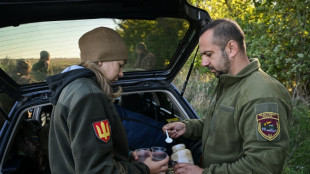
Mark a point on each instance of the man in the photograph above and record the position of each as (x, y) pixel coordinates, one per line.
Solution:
(146, 60)
(41, 69)
(21, 74)
(246, 127)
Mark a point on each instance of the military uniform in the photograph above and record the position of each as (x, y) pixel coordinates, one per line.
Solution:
(21, 73)
(86, 133)
(146, 61)
(40, 71)
(246, 127)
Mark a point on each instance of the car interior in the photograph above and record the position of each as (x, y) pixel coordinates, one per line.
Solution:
(142, 112)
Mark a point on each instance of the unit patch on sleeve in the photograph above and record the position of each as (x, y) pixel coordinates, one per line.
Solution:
(268, 125)
(102, 130)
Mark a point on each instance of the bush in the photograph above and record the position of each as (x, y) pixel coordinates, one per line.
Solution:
(198, 90)
(298, 158)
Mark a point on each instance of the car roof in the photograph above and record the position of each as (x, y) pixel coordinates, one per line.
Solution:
(15, 12)
(18, 12)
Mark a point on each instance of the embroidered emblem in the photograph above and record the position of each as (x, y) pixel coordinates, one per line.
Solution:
(268, 125)
(102, 130)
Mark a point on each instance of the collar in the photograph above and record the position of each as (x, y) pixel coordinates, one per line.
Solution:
(228, 79)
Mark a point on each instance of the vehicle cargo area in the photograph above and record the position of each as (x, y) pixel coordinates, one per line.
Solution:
(143, 115)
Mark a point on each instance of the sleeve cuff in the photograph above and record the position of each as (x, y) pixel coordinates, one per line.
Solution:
(187, 133)
(129, 155)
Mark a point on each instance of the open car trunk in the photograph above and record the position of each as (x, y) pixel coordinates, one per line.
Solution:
(170, 29)
(143, 114)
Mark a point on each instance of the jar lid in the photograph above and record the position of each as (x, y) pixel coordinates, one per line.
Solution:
(178, 147)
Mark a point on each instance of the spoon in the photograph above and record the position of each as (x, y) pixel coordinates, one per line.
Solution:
(168, 139)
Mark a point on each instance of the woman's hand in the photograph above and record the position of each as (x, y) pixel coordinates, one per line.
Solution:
(133, 156)
(157, 167)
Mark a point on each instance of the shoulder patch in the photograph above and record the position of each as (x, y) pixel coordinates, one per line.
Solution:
(267, 121)
(102, 130)
(268, 125)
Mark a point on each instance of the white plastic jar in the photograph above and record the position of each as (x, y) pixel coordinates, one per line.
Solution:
(181, 154)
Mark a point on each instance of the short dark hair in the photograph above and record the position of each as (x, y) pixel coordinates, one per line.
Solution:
(44, 54)
(22, 64)
(141, 46)
(224, 31)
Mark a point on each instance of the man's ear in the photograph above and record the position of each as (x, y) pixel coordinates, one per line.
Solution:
(232, 48)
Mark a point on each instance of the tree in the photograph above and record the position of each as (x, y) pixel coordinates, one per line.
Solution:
(154, 33)
(277, 32)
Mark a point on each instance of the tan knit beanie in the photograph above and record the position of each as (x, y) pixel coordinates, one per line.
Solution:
(102, 44)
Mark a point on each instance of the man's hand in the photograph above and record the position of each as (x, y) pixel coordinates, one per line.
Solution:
(175, 129)
(187, 168)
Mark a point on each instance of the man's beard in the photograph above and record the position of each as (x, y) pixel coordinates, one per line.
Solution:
(225, 66)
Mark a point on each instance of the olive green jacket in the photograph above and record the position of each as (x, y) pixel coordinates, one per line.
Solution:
(86, 134)
(246, 127)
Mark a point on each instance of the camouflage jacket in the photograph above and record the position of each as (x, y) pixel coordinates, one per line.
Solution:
(146, 61)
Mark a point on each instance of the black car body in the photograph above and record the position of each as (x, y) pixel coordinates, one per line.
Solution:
(25, 107)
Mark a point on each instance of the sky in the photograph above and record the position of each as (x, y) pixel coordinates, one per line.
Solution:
(59, 38)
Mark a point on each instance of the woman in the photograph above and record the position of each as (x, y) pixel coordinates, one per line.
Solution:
(86, 133)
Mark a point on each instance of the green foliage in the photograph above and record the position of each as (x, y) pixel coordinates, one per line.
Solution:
(281, 39)
(277, 32)
(7, 64)
(198, 90)
(161, 36)
(59, 64)
(298, 158)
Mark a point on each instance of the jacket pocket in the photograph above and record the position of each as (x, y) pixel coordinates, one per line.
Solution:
(223, 114)
(224, 140)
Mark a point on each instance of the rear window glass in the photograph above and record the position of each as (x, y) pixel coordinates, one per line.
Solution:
(30, 52)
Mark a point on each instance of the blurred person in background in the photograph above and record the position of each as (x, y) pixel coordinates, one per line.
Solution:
(146, 60)
(86, 133)
(21, 74)
(41, 69)
(246, 127)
